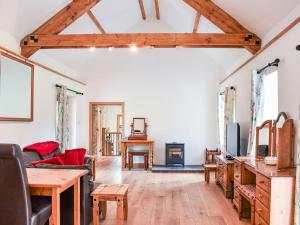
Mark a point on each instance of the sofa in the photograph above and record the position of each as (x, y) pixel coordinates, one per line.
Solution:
(66, 201)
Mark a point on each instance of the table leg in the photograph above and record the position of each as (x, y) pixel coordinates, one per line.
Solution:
(123, 147)
(77, 202)
(95, 211)
(150, 155)
(120, 212)
(126, 207)
(104, 209)
(55, 206)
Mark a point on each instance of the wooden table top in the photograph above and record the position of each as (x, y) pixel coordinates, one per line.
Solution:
(111, 190)
(137, 141)
(52, 178)
(267, 170)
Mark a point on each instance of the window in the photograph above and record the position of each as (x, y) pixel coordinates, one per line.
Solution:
(270, 98)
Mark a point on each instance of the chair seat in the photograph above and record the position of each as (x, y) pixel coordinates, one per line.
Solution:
(210, 166)
(41, 210)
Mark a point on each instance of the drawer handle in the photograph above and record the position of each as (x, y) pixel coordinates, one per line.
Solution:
(259, 210)
(260, 196)
(237, 175)
(262, 182)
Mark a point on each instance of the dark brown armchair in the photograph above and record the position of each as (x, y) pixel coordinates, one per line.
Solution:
(17, 207)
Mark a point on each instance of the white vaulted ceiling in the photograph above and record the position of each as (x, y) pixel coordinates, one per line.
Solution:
(19, 18)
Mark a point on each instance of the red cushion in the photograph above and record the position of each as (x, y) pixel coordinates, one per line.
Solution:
(69, 158)
(81, 153)
(54, 160)
(42, 148)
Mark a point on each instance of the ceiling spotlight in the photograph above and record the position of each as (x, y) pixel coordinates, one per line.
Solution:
(133, 48)
(92, 48)
(298, 47)
(110, 48)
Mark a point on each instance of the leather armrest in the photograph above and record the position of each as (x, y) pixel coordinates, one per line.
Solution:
(87, 159)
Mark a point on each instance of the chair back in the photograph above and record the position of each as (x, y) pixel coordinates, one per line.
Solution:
(210, 156)
(15, 202)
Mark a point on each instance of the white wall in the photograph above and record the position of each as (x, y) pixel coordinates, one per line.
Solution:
(175, 89)
(288, 81)
(43, 126)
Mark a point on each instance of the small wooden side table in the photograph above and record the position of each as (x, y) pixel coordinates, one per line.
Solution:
(110, 192)
(207, 169)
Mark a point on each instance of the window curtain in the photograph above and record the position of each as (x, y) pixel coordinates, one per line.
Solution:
(257, 103)
(226, 112)
(62, 118)
(297, 206)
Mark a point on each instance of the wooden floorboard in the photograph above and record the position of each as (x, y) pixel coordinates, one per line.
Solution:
(167, 198)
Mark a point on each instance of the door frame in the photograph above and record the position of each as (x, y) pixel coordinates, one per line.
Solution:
(91, 105)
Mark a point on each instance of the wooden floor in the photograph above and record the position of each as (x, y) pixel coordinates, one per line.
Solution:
(167, 198)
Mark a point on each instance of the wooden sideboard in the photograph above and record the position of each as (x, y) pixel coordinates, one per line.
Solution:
(274, 192)
(224, 175)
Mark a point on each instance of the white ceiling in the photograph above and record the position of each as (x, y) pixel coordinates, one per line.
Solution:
(116, 16)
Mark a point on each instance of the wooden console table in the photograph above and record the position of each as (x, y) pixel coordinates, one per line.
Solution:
(128, 143)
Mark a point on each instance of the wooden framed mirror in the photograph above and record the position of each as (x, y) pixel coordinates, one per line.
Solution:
(285, 141)
(16, 89)
(138, 129)
(278, 123)
(264, 139)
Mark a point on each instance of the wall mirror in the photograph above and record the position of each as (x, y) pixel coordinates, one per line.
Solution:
(16, 89)
(264, 139)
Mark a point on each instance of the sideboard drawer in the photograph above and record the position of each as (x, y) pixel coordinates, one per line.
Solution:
(263, 182)
(259, 220)
(262, 211)
(263, 197)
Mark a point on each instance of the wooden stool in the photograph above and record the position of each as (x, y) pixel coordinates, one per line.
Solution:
(114, 192)
(138, 153)
(247, 192)
(207, 169)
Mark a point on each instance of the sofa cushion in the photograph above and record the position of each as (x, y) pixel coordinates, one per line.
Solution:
(42, 148)
(69, 158)
(54, 160)
(80, 153)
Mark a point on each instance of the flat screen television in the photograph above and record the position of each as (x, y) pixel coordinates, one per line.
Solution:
(233, 139)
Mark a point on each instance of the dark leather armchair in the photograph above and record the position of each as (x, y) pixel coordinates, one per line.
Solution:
(16, 205)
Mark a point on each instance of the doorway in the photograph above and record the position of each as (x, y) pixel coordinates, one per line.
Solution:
(106, 128)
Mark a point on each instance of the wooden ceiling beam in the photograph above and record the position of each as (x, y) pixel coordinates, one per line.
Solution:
(196, 22)
(141, 3)
(60, 21)
(96, 22)
(221, 19)
(140, 40)
(157, 9)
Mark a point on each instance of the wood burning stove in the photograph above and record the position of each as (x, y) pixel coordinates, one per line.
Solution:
(174, 154)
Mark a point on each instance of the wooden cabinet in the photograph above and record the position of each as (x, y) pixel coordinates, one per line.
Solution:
(274, 191)
(224, 175)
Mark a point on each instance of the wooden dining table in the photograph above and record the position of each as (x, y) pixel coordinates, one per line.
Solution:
(52, 182)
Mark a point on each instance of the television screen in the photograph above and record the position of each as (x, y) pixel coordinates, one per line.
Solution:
(233, 139)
